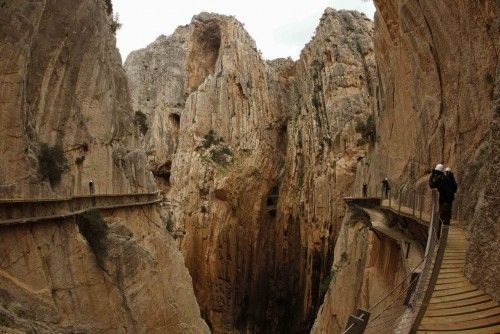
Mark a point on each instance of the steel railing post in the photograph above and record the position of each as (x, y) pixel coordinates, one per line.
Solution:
(433, 222)
(357, 323)
(421, 206)
(414, 201)
(399, 199)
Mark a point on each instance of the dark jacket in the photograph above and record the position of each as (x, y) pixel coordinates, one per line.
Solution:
(445, 185)
(452, 183)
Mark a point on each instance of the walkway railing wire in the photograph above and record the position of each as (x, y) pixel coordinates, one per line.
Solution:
(401, 309)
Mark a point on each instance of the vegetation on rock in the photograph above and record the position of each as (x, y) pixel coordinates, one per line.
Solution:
(211, 139)
(140, 121)
(344, 260)
(95, 231)
(79, 160)
(109, 7)
(367, 130)
(220, 152)
(52, 163)
(115, 23)
(169, 224)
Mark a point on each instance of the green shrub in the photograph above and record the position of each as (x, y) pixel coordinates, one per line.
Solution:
(367, 130)
(109, 7)
(51, 163)
(115, 23)
(315, 102)
(211, 139)
(325, 283)
(318, 65)
(141, 121)
(95, 231)
(79, 160)
(221, 155)
(169, 225)
(332, 275)
(489, 78)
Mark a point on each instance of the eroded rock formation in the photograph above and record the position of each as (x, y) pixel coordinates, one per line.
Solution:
(264, 153)
(367, 264)
(53, 282)
(62, 84)
(438, 97)
(437, 102)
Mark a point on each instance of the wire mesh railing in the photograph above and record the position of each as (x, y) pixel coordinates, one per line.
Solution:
(402, 308)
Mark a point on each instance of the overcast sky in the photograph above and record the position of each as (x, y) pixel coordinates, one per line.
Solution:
(280, 28)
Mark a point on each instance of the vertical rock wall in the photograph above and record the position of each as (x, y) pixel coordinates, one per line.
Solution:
(52, 281)
(438, 102)
(61, 83)
(263, 155)
(366, 266)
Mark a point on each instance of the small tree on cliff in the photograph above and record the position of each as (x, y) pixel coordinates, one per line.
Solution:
(95, 231)
(367, 130)
(52, 163)
(141, 122)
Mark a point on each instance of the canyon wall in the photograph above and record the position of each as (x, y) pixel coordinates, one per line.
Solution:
(52, 281)
(438, 102)
(62, 84)
(258, 161)
(367, 265)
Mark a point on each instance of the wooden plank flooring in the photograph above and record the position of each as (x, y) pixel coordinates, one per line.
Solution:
(456, 305)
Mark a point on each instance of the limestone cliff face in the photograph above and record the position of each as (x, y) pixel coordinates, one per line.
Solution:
(52, 282)
(263, 150)
(438, 102)
(61, 83)
(366, 266)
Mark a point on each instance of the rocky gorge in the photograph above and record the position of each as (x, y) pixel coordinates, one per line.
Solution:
(260, 160)
(252, 159)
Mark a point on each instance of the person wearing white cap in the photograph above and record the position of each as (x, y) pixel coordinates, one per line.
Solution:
(386, 188)
(452, 183)
(446, 186)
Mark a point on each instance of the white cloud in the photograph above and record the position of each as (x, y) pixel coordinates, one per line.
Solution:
(280, 28)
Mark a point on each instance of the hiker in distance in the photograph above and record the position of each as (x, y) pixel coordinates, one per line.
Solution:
(447, 187)
(385, 188)
(365, 190)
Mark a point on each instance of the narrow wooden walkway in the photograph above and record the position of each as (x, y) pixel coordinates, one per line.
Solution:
(14, 212)
(456, 305)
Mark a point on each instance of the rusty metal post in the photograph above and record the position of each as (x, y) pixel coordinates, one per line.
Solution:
(414, 201)
(357, 323)
(399, 199)
(422, 200)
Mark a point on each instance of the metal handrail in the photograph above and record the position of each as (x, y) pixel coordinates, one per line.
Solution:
(360, 324)
(69, 198)
(18, 212)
